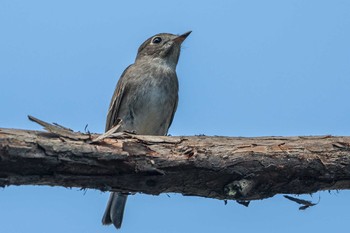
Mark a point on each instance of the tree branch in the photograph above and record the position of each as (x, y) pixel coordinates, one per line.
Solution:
(215, 167)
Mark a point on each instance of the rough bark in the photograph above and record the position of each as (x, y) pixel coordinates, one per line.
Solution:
(215, 167)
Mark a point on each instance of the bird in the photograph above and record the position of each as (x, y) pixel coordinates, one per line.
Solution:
(145, 100)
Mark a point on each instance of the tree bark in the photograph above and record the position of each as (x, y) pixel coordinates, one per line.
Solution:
(215, 167)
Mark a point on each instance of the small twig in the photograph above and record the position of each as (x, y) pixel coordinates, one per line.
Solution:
(306, 204)
(108, 133)
(62, 127)
(60, 130)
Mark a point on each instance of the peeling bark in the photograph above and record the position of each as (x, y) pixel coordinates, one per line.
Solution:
(215, 167)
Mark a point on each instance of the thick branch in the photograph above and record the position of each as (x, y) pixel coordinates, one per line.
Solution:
(215, 167)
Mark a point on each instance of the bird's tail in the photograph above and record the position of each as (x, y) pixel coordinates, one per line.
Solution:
(115, 210)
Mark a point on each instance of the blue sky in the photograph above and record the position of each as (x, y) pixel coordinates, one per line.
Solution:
(250, 68)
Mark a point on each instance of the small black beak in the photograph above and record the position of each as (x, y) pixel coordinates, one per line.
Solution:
(182, 37)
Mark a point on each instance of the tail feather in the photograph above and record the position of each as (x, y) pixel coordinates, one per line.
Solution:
(115, 210)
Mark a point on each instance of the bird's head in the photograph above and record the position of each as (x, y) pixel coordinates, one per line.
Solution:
(163, 47)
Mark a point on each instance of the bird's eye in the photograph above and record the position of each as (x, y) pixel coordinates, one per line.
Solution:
(156, 40)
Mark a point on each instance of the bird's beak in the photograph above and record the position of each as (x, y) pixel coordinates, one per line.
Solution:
(182, 37)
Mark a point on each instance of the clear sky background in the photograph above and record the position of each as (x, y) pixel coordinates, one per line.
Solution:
(250, 68)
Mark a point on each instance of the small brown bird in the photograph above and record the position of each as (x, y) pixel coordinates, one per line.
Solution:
(145, 99)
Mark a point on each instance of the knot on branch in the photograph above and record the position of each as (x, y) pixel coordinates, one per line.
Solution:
(239, 188)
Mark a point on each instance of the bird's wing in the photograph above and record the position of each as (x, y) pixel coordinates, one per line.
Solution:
(114, 106)
(173, 113)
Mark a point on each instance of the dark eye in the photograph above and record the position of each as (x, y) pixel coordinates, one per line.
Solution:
(156, 40)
